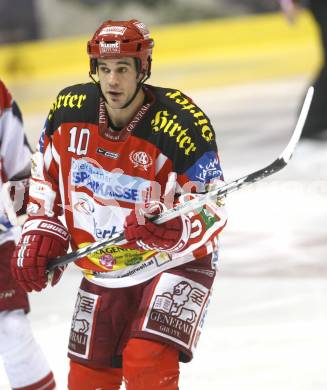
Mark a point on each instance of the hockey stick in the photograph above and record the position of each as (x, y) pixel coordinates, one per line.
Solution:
(201, 200)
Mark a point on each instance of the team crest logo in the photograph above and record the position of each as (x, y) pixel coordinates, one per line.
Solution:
(140, 160)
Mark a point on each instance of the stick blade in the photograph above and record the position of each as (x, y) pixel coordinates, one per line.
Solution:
(289, 150)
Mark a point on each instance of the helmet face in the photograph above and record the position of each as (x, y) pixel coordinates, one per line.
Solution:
(116, 39)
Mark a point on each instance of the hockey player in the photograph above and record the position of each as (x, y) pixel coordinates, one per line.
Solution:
(23, 359)
(112, 152)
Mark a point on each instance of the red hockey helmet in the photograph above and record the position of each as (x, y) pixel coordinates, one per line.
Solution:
(116, 39)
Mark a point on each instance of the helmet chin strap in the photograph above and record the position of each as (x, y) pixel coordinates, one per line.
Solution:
(138, 87)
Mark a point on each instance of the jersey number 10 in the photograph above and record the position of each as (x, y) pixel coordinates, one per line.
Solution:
(79, 141)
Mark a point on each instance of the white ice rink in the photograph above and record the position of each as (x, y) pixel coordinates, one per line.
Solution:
(267, 324)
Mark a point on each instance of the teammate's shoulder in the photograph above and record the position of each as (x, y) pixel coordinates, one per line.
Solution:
(5, 97)
(74, 101)
(7, 102)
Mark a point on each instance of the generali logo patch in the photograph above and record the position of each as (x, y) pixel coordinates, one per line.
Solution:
(81, 327)
(176, 309)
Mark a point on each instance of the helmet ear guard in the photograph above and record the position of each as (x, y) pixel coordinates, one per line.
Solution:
(93, 66)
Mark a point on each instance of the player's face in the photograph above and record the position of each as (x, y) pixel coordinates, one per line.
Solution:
(118, 80)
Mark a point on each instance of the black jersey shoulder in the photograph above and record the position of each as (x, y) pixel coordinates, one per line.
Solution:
(178, 127)
(76, 103)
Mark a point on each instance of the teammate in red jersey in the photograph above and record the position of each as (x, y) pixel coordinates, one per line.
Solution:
(23, 359)
(112, 150)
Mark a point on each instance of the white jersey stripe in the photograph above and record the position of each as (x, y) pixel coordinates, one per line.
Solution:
(55, 154)
(160, 161)
(47, 157)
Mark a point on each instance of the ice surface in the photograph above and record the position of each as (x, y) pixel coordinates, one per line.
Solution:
(266, 327)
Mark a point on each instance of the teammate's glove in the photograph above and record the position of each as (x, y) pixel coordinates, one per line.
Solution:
(170, 236)
(42, 239)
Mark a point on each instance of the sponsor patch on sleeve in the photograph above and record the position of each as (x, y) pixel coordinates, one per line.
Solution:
(206, 168)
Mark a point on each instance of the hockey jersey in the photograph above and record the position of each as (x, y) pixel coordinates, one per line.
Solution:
(15, 156)
(95, 175)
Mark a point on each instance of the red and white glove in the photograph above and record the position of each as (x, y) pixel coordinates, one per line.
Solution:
(171, 236)
(42, 239)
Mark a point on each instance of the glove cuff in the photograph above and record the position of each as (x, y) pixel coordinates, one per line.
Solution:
(51, 226)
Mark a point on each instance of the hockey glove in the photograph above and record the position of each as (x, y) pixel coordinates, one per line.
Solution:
(170, 236)
(42, 239)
